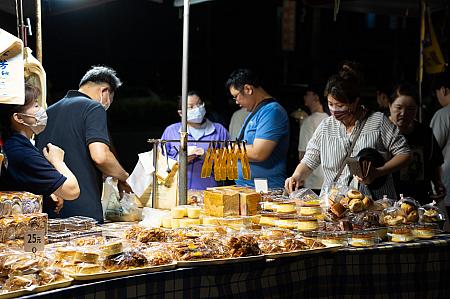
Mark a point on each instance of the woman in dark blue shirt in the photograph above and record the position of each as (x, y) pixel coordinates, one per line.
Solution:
(25, 168)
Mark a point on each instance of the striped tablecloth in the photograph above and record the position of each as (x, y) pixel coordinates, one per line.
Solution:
(412, 270)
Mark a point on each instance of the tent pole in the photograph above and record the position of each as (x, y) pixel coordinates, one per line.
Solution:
(182, 180)
(422, 39)
(38, 31)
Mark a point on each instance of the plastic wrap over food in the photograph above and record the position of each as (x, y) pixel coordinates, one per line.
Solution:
(431, 213)
(17, 203)
(410, 208)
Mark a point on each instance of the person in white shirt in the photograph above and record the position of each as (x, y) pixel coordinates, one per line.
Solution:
(313, 101)
(440, 123)
(236, 122)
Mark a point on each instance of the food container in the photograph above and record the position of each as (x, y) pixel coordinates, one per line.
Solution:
(268, 219)
(307, 223)
(363, 238)
(305, 196)
(287, 221)
(333, 238)
(401, 234)
(425, 230)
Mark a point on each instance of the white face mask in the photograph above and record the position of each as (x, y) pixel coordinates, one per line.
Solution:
(196, 115)
(41, 121)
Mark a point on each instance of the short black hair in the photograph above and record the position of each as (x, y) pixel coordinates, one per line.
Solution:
(405, 89)
(190, 93)
(6, 111)
(240, 77)
(101, 74)
(441, 80)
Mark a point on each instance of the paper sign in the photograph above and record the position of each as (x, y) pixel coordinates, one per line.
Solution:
(34, 240)
(261, 185)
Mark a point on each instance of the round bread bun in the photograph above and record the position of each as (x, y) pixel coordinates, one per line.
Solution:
(366, 202)
(406, 207)
(356, 205)
(355, 194)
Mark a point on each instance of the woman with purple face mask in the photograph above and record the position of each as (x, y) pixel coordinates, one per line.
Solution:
(332, 140)
(27, 169)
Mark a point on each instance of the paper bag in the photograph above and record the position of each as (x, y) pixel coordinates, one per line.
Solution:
(12, 80)
(35, 75)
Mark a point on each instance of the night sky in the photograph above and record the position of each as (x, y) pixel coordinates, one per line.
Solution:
(142, 40)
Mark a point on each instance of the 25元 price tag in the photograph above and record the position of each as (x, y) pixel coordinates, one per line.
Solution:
(34, 240)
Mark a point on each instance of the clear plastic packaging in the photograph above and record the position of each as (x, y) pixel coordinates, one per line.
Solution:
(410, 208)
(333, 238)
(307, 223)
(381, 204)
(364, 238)
(431, 213)
(401, 234)
(392, 216)
(425, 230)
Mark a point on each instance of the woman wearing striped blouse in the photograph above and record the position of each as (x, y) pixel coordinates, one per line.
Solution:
(333, 138)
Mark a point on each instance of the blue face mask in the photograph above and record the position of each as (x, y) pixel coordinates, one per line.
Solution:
(196, 115)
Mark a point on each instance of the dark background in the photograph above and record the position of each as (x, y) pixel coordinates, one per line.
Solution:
(142, 40)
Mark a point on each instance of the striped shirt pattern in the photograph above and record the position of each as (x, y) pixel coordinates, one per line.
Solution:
(330, 144)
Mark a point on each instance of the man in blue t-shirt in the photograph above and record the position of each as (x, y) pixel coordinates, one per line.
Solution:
(77, 123)
(266, 129)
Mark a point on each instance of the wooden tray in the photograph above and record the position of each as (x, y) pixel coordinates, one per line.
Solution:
(44, 288)
(331, 248)
(119, 273)
(220, 261)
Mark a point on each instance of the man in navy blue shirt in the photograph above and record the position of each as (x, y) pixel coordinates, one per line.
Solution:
(77, 123)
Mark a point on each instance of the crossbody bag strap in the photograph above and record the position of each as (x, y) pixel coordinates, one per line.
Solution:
(257, 108)
(349, 153)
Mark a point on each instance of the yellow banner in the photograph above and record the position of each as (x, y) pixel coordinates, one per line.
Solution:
(433, 59)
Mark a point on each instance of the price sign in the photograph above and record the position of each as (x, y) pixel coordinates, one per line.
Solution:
(34, 240)
(261, 185)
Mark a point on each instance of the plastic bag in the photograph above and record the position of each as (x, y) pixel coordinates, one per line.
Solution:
(125, 209)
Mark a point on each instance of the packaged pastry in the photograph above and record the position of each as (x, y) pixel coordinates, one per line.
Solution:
(431, 213)
(193, 212)
(305, 196)
(285, 207)
(401, 234)
(425, 230)
(88, 268)
(381, 204)
(130, 258)
(333, 238)
(392, 216)
(268, 219)
(111, 247)
(243, 245)
(365, 220)
(287, 221)
(178, 212)
(65, 253)
(332, 193)
(410, 208)
(307, 223)
(85, 256)
(158, 255)
(363, 239)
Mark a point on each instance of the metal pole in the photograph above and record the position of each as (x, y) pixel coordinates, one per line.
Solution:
(38, 31)
(155, 179)
(422, 39)
(182, 180)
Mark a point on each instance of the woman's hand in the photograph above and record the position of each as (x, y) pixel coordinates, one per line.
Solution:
(293, 183)
(59, 203)
(53, 154)
(374, 173)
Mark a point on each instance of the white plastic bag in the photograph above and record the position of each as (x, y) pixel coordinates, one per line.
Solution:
(125, 209)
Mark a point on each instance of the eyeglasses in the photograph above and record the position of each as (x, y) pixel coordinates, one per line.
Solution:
(236, 96)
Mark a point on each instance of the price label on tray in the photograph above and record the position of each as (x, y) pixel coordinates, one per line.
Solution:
(34, 240)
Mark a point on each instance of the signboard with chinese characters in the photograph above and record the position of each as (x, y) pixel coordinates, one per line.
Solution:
(12, 80)
(34, 241)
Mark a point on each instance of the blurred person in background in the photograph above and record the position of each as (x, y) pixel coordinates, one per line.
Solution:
(313, 101)
(440, 123)
(423, 172)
